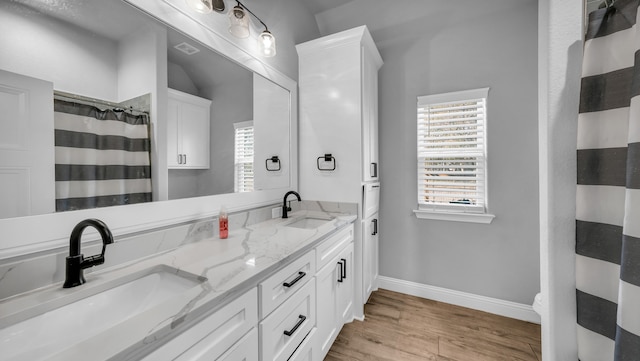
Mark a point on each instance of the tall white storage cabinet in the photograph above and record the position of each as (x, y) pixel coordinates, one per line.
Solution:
(338, 94)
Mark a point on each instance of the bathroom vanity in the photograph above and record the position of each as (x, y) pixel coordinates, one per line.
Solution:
(254, 293)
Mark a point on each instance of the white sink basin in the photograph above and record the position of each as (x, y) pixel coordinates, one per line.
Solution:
(58, 324)
(308, 223)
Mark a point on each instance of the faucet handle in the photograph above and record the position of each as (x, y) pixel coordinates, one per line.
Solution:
(96, 259)
(93, 260)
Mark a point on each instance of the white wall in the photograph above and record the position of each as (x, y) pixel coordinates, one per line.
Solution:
(433, 47)
(75, 60)
(560, 57)
(231, 103)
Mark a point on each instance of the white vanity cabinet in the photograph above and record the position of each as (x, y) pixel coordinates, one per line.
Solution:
(335, 287)
(370, 254)
(338, 96)
(216, 334)
(244, 350)
(294, 314)
(188, 124)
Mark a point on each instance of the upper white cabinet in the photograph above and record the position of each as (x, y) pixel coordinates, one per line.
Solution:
(188, 131)
(338, 92)
(370, 66)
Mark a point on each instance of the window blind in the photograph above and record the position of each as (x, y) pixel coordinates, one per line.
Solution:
(243, 157)
(452, 152)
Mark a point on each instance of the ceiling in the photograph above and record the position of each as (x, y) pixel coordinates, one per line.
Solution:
(318, 6)
(122, 21)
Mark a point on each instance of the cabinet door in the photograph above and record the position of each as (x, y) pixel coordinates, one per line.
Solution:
(246, 349)
(370, 164)
(214, 335)
(173, 134)
(345, 287)
(327, 307)
(188, 131)
(369, 255)
(194, 135)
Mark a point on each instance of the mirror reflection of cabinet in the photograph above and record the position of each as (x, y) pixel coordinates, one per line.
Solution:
(188, 131)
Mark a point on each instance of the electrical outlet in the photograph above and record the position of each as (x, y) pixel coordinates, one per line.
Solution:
(276, 212)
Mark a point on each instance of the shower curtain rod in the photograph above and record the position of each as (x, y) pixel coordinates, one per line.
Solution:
(92, 101)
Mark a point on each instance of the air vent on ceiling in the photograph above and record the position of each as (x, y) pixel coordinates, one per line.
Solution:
(187, 48)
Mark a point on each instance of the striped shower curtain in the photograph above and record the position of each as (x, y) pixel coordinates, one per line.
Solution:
(608, 191)
(102, 157)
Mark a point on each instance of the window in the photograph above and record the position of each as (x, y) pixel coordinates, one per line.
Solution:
(243, 157)
(452, 162)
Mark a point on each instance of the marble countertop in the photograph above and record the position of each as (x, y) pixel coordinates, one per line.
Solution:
(231, 267)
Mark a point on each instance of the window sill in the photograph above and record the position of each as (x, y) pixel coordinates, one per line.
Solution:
(484, 218)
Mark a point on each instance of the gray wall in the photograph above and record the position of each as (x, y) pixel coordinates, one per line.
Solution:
(232, 103)
(441, 46)
(291, 23)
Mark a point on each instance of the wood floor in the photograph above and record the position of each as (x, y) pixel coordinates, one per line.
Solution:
(399, 327)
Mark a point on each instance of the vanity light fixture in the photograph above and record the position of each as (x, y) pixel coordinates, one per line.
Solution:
(238, 22)
(239, 27)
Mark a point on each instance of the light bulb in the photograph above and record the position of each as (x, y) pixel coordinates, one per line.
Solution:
(238, 22)
(267, 44)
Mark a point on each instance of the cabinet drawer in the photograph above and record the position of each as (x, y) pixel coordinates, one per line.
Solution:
(305, 351)
(330, 248)
(246, 349)
(283, 330)
(209, 338)
(284, 283)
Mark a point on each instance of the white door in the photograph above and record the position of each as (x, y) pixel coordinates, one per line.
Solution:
(369, 118)
(173, 134)
(345, 287)
(370, 255)
(194, 133)
(327, 308)
(27, 158)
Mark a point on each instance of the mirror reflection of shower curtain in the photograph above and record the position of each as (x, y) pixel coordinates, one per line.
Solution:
(102, 157)
(608, 190)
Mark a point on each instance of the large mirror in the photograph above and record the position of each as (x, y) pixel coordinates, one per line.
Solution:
(215, 126)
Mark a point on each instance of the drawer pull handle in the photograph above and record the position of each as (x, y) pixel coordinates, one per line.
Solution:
(295, 328)
(341, 275)
(290, 284)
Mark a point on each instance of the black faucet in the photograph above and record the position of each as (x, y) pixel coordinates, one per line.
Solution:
(286, 209)
(76, 262)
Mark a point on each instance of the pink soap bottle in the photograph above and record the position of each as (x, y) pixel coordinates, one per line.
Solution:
(223, 223)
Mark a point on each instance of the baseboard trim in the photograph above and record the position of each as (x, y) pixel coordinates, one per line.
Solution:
(496, 306)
